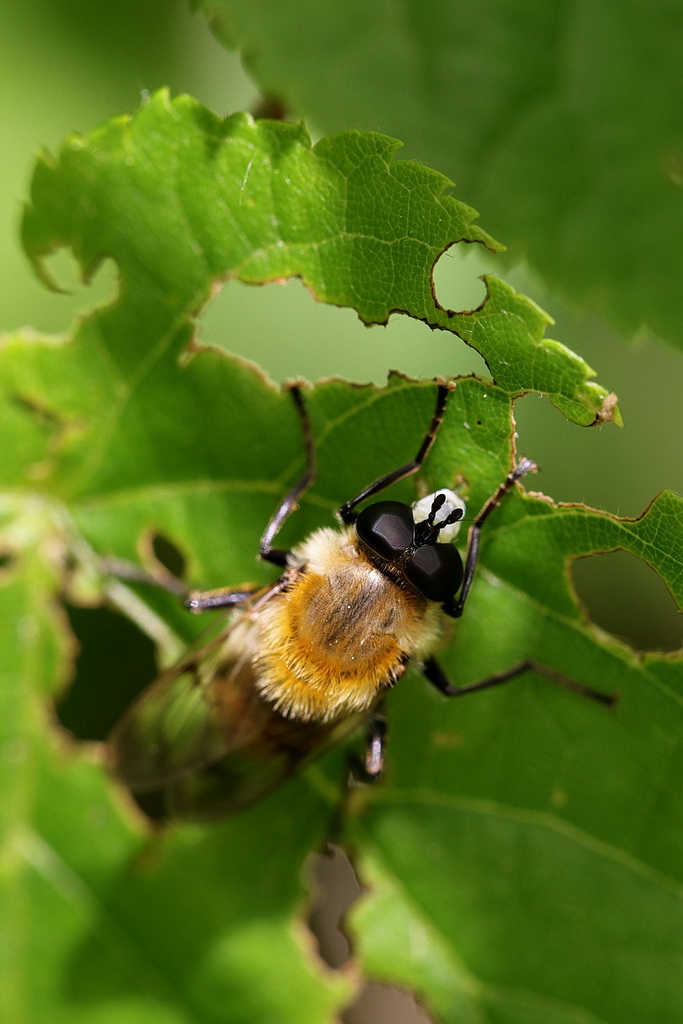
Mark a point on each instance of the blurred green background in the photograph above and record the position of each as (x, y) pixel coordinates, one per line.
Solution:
(71, 64)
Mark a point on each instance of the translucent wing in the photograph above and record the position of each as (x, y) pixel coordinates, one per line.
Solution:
(201, 742)
(175, 727)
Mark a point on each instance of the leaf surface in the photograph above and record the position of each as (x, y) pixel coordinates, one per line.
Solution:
(561, 121)
(181, 199)
(120, 432)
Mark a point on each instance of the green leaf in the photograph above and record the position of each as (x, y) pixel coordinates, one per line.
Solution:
(529, 763)
(118, 433)
(525, 862)
(101, 922)
(253, 200)
(561, 121)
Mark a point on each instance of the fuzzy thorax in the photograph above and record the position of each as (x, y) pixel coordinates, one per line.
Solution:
(340, 634)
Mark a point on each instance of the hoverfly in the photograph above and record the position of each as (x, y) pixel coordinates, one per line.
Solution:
(305, 661)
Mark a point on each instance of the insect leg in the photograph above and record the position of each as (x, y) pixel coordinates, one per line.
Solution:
(346, 511)
(227, 597)
(438, 678)
(454, 608)
(361, 770)
(375, 745)
(202, 600)
(279, 555)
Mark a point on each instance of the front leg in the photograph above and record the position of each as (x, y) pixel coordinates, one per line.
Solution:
(454, 607)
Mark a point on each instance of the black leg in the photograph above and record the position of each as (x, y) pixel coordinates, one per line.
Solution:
(203, 600)
(361, 771)
(227, 597)
(346, 511)
(438, 678)
(455, 607)
(375, 745)
(279, 555)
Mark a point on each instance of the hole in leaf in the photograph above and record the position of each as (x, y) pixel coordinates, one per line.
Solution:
(282, 328)
(335, 888)
(457, 277)
(115, 663)
(7, 560)
(100, 288)
(378, 1004)
(625, 597)
(168, 555)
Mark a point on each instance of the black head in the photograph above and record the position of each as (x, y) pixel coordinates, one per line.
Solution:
(419, 551)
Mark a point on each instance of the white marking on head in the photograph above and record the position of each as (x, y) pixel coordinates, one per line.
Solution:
(423, 507)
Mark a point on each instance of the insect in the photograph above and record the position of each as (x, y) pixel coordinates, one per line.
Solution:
(307, 660)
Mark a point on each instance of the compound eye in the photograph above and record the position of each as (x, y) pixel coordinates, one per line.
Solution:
(435, 570)
(386, 527)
